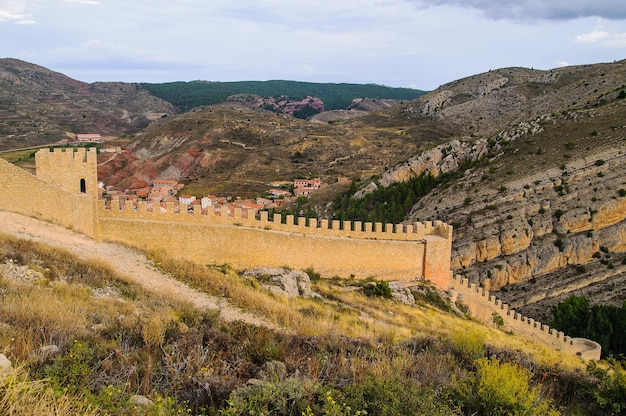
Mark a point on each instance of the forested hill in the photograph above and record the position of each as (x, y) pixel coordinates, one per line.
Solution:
(185, 95)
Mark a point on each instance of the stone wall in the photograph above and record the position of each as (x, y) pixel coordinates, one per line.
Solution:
(394, 252)
(65, 192)
(67, 168)
(482, 306)
(23, 193)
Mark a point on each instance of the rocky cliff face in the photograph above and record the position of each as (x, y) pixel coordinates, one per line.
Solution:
(526, 220)
(540, 202)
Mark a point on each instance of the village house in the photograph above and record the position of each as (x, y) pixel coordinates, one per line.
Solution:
(278, 193)
(186, 199)
(304, 187)
(314, 183)
(166, 187)
(88, 137)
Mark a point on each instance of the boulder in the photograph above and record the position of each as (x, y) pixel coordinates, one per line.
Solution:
(282, 281)
(401, 293)
(5, 365)
(139, 400)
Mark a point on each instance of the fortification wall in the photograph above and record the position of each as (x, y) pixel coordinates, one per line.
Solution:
(482, 306)
(65, 192)
(363, 250)
(24, 194)
(72, 169)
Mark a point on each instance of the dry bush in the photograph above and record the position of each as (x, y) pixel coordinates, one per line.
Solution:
(154, 326)
(21, 396)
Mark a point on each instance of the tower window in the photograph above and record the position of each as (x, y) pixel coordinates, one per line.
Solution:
(83, 186)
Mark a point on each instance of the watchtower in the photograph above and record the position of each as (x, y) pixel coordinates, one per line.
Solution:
(74, 170)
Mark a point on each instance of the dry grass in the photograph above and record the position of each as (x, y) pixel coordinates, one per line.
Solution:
(117, 339)
(350, 313)
(19, 395)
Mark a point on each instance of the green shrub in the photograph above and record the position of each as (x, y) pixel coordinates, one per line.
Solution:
(500, 389)
(387, 396)
(610, 396)
(313, 275)
(432, 297)
(559, 243)
(497, 320)
(380, 289)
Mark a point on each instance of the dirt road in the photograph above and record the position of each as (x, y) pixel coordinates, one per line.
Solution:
(125, 261)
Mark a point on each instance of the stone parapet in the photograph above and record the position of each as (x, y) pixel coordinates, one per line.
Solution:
(417, 231)
(482, 305)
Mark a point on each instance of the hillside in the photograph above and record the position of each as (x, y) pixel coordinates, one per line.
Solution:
(39, 106)
(526, 165)
(232, 149)
(85, 335)
(334, 96)
(537, 200)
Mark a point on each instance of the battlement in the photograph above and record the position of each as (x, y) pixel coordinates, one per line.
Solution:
(173, 212)
(483, 305)
(72, 169)
(66, 156)
(66, 193)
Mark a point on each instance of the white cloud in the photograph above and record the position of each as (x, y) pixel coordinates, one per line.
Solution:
(18, 11)
(603, 38)
(592, 37)
(562, 63)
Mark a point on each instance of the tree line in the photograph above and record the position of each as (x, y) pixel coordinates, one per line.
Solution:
(605, 324)
(186, 95)
(389, 204)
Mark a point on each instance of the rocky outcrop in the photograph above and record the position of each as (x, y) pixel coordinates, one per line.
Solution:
(401, 293)
(535, 230)
(141, 401)
(449, 157)
(282, 104)
(282, 282)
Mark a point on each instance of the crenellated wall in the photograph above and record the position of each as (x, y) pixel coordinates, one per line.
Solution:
(22, 193)
(65, 192)
(332, 248)
(74, 170)
(482, 306)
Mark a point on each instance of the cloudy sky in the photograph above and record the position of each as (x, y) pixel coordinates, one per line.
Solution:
(403, 43)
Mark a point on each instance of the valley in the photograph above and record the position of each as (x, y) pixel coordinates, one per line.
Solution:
(528, 167)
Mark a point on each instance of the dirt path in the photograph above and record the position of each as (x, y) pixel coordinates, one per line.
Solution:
(125, 261)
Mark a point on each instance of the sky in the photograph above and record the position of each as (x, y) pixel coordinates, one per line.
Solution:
(401, 43)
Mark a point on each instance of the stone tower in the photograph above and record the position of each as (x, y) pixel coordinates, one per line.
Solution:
(74, 170)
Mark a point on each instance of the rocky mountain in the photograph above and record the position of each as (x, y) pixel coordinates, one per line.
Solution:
(39, 106)
(540, 204)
